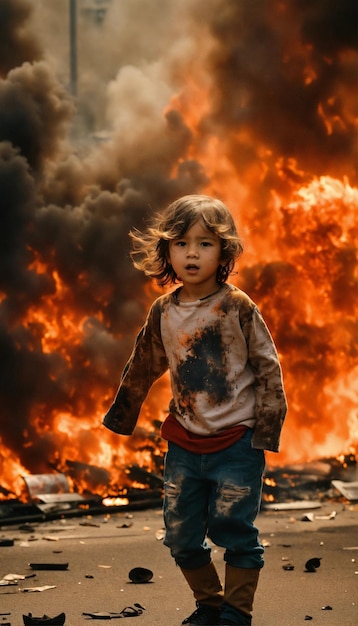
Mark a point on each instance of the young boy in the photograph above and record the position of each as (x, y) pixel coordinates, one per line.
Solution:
(228, 403)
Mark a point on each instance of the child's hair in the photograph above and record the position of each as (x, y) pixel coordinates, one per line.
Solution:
(151, 249)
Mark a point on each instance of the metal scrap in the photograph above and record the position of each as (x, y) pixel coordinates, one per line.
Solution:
(128, 611)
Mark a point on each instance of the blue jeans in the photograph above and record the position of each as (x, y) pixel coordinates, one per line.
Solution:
(214, 495)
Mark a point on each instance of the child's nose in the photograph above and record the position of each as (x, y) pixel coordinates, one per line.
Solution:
(192, 251)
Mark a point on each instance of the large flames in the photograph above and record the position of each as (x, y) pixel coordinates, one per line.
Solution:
(223, 122)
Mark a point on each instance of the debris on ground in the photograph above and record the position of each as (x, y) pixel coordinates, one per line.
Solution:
(311, 517)
(125, 525)
(49, 566)
(331, 515)
(348, 489)
(140, 575)
(160, 534)
(6, 543)
(45, 620)
(42, 588)
(7, 583)
(313, 564)
(291, 506)
(128, 611)
(13, 579)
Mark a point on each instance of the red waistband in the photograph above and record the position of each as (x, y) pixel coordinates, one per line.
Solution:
(173, 431)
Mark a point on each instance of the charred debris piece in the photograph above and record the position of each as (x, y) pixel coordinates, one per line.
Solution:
(312, 564)
(45, 620)
(128, 611)
(140, 575)
(6, 543)
(315, 481)
(49, 497)
(49, 566)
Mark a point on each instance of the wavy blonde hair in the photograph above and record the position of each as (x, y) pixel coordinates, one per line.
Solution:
(150, 249)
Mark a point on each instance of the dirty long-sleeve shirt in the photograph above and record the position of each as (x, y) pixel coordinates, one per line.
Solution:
(223, 365)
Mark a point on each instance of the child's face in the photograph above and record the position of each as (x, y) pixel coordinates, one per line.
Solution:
(196, 256)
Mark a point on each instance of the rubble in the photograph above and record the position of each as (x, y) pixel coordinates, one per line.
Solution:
(52, 492)
(45, 620)
(140, 575)
(306, 489)
(303, 486)
(312, 564)
(15, 511)
(41, 588)
(128, 611)
(288, 551)
(49, 566)
(6, 542)
(314, 482)
(290, 506)
(12, 579)
(348, 489)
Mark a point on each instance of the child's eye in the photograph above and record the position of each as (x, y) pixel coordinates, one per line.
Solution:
(180, 243)
(206, 244)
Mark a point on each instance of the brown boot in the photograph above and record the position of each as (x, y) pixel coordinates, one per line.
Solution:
(240, 588)
(207, 589)
(205, 584)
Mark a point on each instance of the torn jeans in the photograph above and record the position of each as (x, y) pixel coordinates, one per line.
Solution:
(215, 496)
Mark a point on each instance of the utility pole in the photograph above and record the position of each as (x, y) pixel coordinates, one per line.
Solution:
(73, 46)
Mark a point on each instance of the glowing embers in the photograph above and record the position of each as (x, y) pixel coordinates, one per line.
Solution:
(115, 501)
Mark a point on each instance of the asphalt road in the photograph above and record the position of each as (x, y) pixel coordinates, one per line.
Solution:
(100, 552)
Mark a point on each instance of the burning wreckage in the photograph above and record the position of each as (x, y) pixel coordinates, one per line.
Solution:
(49, 496)
(54, 495)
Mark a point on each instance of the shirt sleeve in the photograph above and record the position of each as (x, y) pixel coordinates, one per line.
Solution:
(146, 364)
(270, 398)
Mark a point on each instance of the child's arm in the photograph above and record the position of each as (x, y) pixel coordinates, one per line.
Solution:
(147, 363)
(270, 405)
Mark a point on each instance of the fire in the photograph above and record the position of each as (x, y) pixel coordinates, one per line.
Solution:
(264, 121)
(12, 468)
(307, 255)
(270, 482)
(115, 501)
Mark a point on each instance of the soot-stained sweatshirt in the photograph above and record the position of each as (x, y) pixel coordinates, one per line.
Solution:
(223, 365)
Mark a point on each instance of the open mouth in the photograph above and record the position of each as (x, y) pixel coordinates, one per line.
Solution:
(191, 267)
